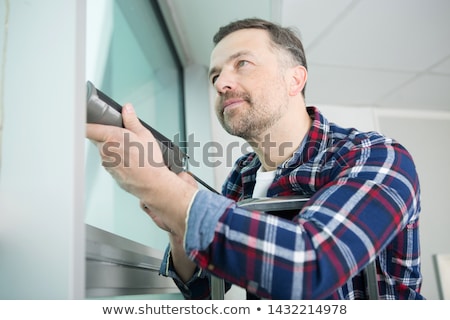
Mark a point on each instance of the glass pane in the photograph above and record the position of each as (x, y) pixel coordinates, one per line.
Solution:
(130, 59)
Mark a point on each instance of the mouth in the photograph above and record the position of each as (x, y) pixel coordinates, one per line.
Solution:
(232, 103)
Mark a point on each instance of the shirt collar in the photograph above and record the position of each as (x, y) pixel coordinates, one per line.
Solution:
(314, 143)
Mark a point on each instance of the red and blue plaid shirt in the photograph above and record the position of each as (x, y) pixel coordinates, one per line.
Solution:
(364, 205)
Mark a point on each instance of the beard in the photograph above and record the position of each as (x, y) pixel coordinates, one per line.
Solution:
(253, 119)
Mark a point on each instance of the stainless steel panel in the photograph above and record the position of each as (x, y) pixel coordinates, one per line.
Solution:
(118, 266)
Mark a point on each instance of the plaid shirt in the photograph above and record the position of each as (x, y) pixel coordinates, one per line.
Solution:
(364, 205)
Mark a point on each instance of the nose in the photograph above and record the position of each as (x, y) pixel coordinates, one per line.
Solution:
(224, 82)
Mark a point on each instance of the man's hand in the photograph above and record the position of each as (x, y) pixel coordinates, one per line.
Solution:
(157, 217)
(133, 158)
(131, 155)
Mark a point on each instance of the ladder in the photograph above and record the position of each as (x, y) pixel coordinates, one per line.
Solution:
(286, 203)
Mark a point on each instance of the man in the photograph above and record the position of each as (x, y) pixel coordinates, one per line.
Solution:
(364, 189)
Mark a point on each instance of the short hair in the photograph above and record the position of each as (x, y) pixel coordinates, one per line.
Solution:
(282, 37)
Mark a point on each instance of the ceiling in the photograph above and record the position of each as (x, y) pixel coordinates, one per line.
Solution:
(380, 53)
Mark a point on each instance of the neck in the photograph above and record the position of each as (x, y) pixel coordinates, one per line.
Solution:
(278, 144)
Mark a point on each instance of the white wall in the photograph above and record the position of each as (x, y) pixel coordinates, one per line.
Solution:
(42, 164)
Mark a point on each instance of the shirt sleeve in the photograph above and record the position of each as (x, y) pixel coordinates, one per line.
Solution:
(195, 288)
(198, 287)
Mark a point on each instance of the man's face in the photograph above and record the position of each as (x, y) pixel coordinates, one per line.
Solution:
(251, 88)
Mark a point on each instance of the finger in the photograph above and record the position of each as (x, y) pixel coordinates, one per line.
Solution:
(132, 123)
(101, 133)
(130, 119)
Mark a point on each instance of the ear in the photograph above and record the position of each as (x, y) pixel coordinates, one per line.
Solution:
(298, 76)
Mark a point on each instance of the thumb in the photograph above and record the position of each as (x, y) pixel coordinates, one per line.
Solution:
(130, 119)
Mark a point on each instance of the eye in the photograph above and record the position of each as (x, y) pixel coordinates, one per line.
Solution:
(242, 63)
(214, 78)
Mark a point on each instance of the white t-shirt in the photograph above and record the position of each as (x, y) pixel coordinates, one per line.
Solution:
(263, 181)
